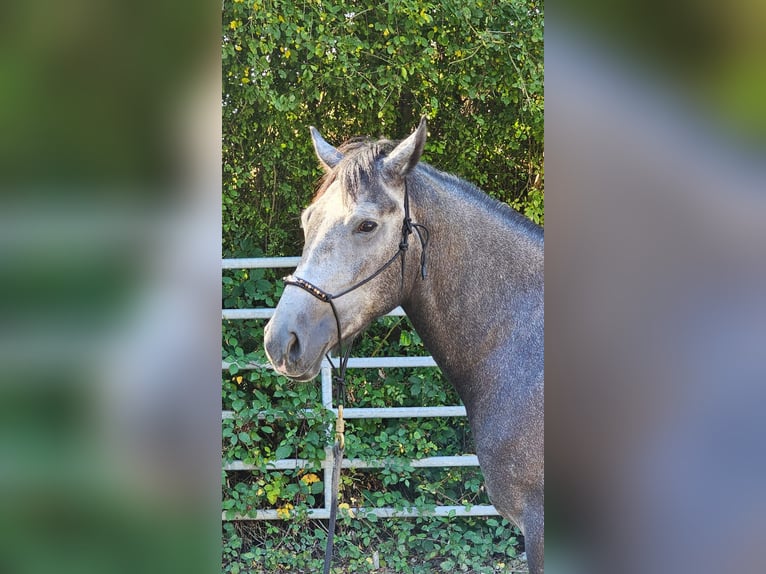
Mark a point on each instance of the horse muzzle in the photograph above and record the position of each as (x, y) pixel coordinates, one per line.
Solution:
(296, 352)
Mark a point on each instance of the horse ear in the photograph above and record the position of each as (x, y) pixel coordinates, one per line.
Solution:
(406, 155)
(328, 156)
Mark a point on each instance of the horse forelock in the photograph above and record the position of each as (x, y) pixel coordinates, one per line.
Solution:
(357, 168)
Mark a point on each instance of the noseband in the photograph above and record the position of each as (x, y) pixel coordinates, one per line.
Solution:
(408, 226)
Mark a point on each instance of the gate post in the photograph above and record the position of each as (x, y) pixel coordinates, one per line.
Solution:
(327, 404)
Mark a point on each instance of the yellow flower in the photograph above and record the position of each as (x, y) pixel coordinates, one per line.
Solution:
(284, 511)
(310, 478)
(347, 508)
(238, 379)
(233, 24)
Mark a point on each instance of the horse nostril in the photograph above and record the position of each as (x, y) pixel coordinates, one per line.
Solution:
(293, 348)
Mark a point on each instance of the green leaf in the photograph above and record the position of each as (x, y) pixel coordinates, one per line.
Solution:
(283, 451)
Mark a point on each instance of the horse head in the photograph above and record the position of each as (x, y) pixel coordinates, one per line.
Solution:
(355, 229)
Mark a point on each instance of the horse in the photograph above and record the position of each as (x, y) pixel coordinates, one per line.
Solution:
(472, 286)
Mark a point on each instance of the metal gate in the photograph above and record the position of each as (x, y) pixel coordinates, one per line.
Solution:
(351, 413)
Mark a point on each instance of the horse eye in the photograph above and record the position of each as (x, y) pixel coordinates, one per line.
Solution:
(367, 226)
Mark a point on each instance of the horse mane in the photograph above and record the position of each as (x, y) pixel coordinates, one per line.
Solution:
(360, 154)
(356, 170)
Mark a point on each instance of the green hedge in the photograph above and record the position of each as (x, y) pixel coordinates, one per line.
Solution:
(475, 68)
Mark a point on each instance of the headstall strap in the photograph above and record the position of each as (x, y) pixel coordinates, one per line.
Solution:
(408, 227)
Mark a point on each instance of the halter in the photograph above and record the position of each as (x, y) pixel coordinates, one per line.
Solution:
(339, 376)
(408, 226)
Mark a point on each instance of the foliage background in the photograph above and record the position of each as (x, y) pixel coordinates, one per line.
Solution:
(475, 69)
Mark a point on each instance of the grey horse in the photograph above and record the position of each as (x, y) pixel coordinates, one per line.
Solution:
(473, 291)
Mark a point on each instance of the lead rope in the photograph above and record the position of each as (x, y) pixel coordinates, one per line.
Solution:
(339, 376)
(340, 438)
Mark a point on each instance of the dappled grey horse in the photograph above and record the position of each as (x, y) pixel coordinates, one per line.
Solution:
(472, 287)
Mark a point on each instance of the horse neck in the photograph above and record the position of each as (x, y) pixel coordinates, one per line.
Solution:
(484, 265)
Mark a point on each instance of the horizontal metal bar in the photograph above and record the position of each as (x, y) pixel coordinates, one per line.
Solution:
(379, 412)
(291, 463)
(284, 464)
(241, 314)
(389, 362)
(437, 461)
(247, 366)
(261, 263)
(267, 313)
(355, 363)
(403, 412)
(323, 513)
